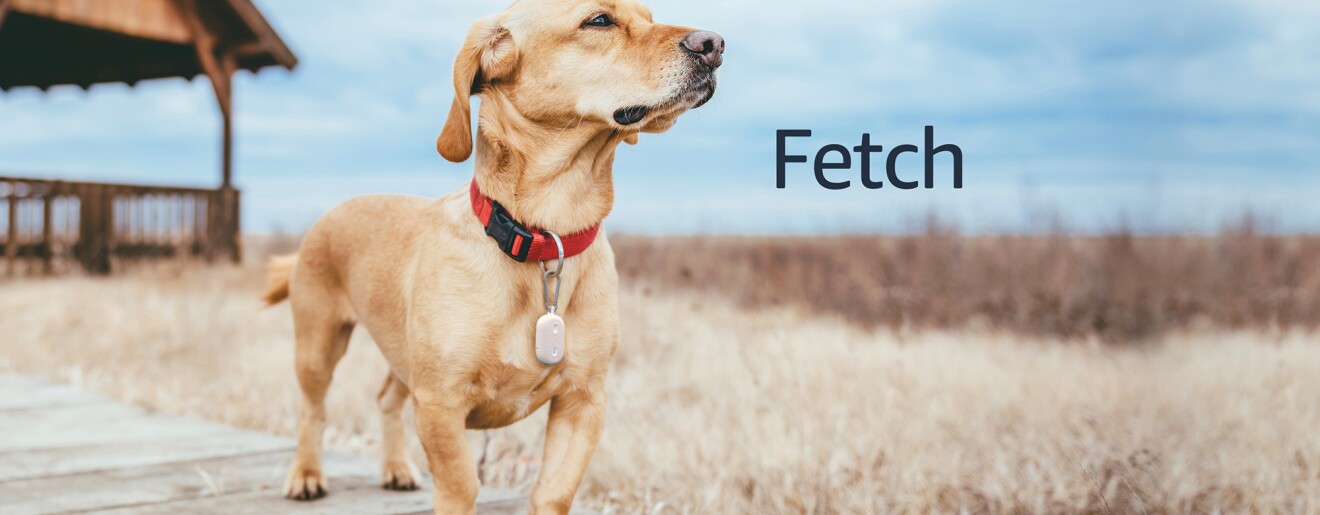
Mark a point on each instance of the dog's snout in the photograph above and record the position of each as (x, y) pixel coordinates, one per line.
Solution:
(706, 46)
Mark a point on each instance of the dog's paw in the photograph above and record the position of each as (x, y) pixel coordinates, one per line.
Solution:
(399, 475)
(305, 484)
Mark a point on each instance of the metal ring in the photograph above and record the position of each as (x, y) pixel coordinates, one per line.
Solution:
(559, 268)
(552, 304)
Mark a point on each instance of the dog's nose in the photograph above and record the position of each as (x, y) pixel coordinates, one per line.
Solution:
(706, 46)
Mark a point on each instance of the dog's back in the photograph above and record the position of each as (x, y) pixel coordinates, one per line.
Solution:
(376, 228)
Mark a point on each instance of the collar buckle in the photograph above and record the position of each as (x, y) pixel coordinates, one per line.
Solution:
(512, 238)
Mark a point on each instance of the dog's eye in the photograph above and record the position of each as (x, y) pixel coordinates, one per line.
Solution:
(601, 20)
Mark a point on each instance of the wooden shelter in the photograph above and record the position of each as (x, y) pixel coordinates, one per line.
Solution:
(45, 43)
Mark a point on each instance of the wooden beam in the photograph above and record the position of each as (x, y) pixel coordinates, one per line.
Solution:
(155, 20)
(246, 49)
(205, 44)
(220, 71)
(226, 149)
(266, 35)
(219, 65)
(227, 67)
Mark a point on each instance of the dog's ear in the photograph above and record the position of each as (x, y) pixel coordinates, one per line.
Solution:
(488, 54)
(630, 139)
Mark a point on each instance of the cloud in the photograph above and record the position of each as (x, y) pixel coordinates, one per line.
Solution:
(1212, 106)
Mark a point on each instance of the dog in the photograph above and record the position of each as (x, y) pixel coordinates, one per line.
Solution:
(453, 298)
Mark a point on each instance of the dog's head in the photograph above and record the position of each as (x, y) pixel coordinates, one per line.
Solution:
(565, 62)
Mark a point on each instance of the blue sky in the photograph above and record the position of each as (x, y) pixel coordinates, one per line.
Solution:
(1164, 116)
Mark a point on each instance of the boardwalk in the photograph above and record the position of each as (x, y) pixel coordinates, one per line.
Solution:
(64, 450)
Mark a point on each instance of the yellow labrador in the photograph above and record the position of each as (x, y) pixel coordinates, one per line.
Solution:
(445, 296)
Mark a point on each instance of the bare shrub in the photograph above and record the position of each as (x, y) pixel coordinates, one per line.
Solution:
(1120, 286)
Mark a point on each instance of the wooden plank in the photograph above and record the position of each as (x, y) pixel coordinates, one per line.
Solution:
(20, 381)
(152, 19)
(112, 458)
(515, 504)
(351, 495)
(154, 188)
(63, 461)
(249, 483)
(41, 395)
(124, 487)
(93, 424)
(269, 40)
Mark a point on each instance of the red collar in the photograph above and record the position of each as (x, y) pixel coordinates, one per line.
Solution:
(519, 241)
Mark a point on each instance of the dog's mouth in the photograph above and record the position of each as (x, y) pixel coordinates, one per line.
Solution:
(630, 115)
(707, 92)
(693, 95)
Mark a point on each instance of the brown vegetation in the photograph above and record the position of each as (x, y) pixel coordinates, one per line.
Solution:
(1121, 287)
(751, 377)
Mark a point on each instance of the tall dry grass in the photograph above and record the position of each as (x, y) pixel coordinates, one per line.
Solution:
(1119, 286)
(715, 408)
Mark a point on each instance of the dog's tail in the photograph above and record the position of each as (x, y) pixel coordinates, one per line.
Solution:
(278, 271)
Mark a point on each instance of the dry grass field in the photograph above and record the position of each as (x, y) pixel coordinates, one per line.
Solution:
(725, 403)
(1120, 287)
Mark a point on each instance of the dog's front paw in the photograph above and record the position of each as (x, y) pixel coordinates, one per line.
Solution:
(399, 475)
(304, 484)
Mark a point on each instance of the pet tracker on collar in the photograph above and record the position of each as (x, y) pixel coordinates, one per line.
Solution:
(550, 327)
(521, 243)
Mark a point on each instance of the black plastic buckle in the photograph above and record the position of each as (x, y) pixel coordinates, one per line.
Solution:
(505, 231)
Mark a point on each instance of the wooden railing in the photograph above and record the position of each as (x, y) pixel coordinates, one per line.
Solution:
(50, 226)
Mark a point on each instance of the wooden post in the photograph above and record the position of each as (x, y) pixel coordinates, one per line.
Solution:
(235, 229)
(199, 224)
(48, 229)
(95, 227)
(232, 231)
(227, 145)
(229, 229)
(220, 69)
(212, 223)
(11, 237)
(107, 229)
(83, 247)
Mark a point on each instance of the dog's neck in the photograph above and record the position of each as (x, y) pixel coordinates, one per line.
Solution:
(551, 178)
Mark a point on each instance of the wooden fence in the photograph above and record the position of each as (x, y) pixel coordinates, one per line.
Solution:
(50, 226)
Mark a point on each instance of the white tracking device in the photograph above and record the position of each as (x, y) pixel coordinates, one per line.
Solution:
(550, 327)
(550, 339)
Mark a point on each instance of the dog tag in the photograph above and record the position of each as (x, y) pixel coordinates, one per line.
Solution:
(550, 338)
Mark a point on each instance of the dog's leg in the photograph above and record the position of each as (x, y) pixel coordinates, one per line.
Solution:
(440, 426)
(321, 342)
(576, 421)
(397, 469)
